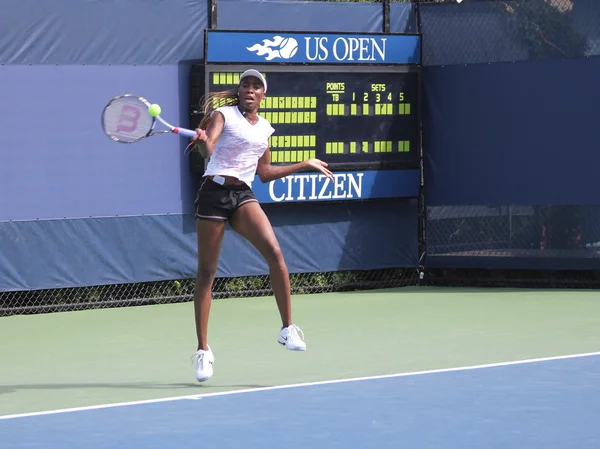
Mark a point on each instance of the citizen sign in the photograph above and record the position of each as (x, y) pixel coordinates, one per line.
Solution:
(313, 187)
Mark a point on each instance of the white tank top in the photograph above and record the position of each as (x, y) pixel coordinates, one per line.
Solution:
(239, 147)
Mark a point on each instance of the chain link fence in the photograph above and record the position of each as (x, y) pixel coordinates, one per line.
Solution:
(485, 31)
(182, 290)
(552, 246)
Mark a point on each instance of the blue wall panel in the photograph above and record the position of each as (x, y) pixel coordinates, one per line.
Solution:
(95, 251)
(56, 162)
(402, 18)
(101, 31)
(276, 15)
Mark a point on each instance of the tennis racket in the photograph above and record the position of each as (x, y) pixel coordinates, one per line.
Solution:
(125, 119)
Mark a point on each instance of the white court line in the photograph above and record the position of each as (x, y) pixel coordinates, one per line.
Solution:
(307, 384)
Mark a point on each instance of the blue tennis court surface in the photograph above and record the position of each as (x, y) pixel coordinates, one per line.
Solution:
(541, 404)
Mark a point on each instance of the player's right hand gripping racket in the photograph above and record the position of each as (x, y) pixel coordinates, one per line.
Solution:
(126, 119)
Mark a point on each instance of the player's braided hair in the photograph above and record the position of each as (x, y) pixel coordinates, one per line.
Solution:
(214, 100)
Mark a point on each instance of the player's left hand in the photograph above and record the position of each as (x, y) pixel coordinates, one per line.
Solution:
(319, 165)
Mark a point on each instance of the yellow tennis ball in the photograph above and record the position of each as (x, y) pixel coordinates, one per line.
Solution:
(154, 110)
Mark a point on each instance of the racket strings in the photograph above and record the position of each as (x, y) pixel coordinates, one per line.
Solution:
(127, 120)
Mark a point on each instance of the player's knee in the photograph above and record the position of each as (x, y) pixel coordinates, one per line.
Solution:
(206, 275)
(273, 255)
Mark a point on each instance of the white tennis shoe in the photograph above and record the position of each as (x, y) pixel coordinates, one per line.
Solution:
(292, 338)
(204, 364)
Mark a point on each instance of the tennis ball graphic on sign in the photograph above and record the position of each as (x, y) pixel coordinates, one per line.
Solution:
(288, 48)
(279, 47)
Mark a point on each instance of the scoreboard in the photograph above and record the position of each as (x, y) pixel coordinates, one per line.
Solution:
(351, 100)
(351, 120)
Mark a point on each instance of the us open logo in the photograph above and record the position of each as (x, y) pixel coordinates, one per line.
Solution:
(322, 48)
(279, 47)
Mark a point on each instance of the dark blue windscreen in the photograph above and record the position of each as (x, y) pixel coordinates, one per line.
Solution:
(512, 133)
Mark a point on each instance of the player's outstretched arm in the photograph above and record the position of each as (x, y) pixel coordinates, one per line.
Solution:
(267, 172)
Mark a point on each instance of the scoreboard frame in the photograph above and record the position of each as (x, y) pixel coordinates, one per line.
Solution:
(231, 56)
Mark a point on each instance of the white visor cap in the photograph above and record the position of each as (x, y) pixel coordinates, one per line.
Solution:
(256, 74)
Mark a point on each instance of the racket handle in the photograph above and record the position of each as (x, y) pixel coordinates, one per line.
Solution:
(185, 132)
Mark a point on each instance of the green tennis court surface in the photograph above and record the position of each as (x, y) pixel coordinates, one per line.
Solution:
(78, 359)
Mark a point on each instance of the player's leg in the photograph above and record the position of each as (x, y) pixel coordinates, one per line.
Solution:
(250, 221)
(210, 228)
(210, 236)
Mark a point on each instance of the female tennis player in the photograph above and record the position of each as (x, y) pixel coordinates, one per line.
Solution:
(235, 139)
